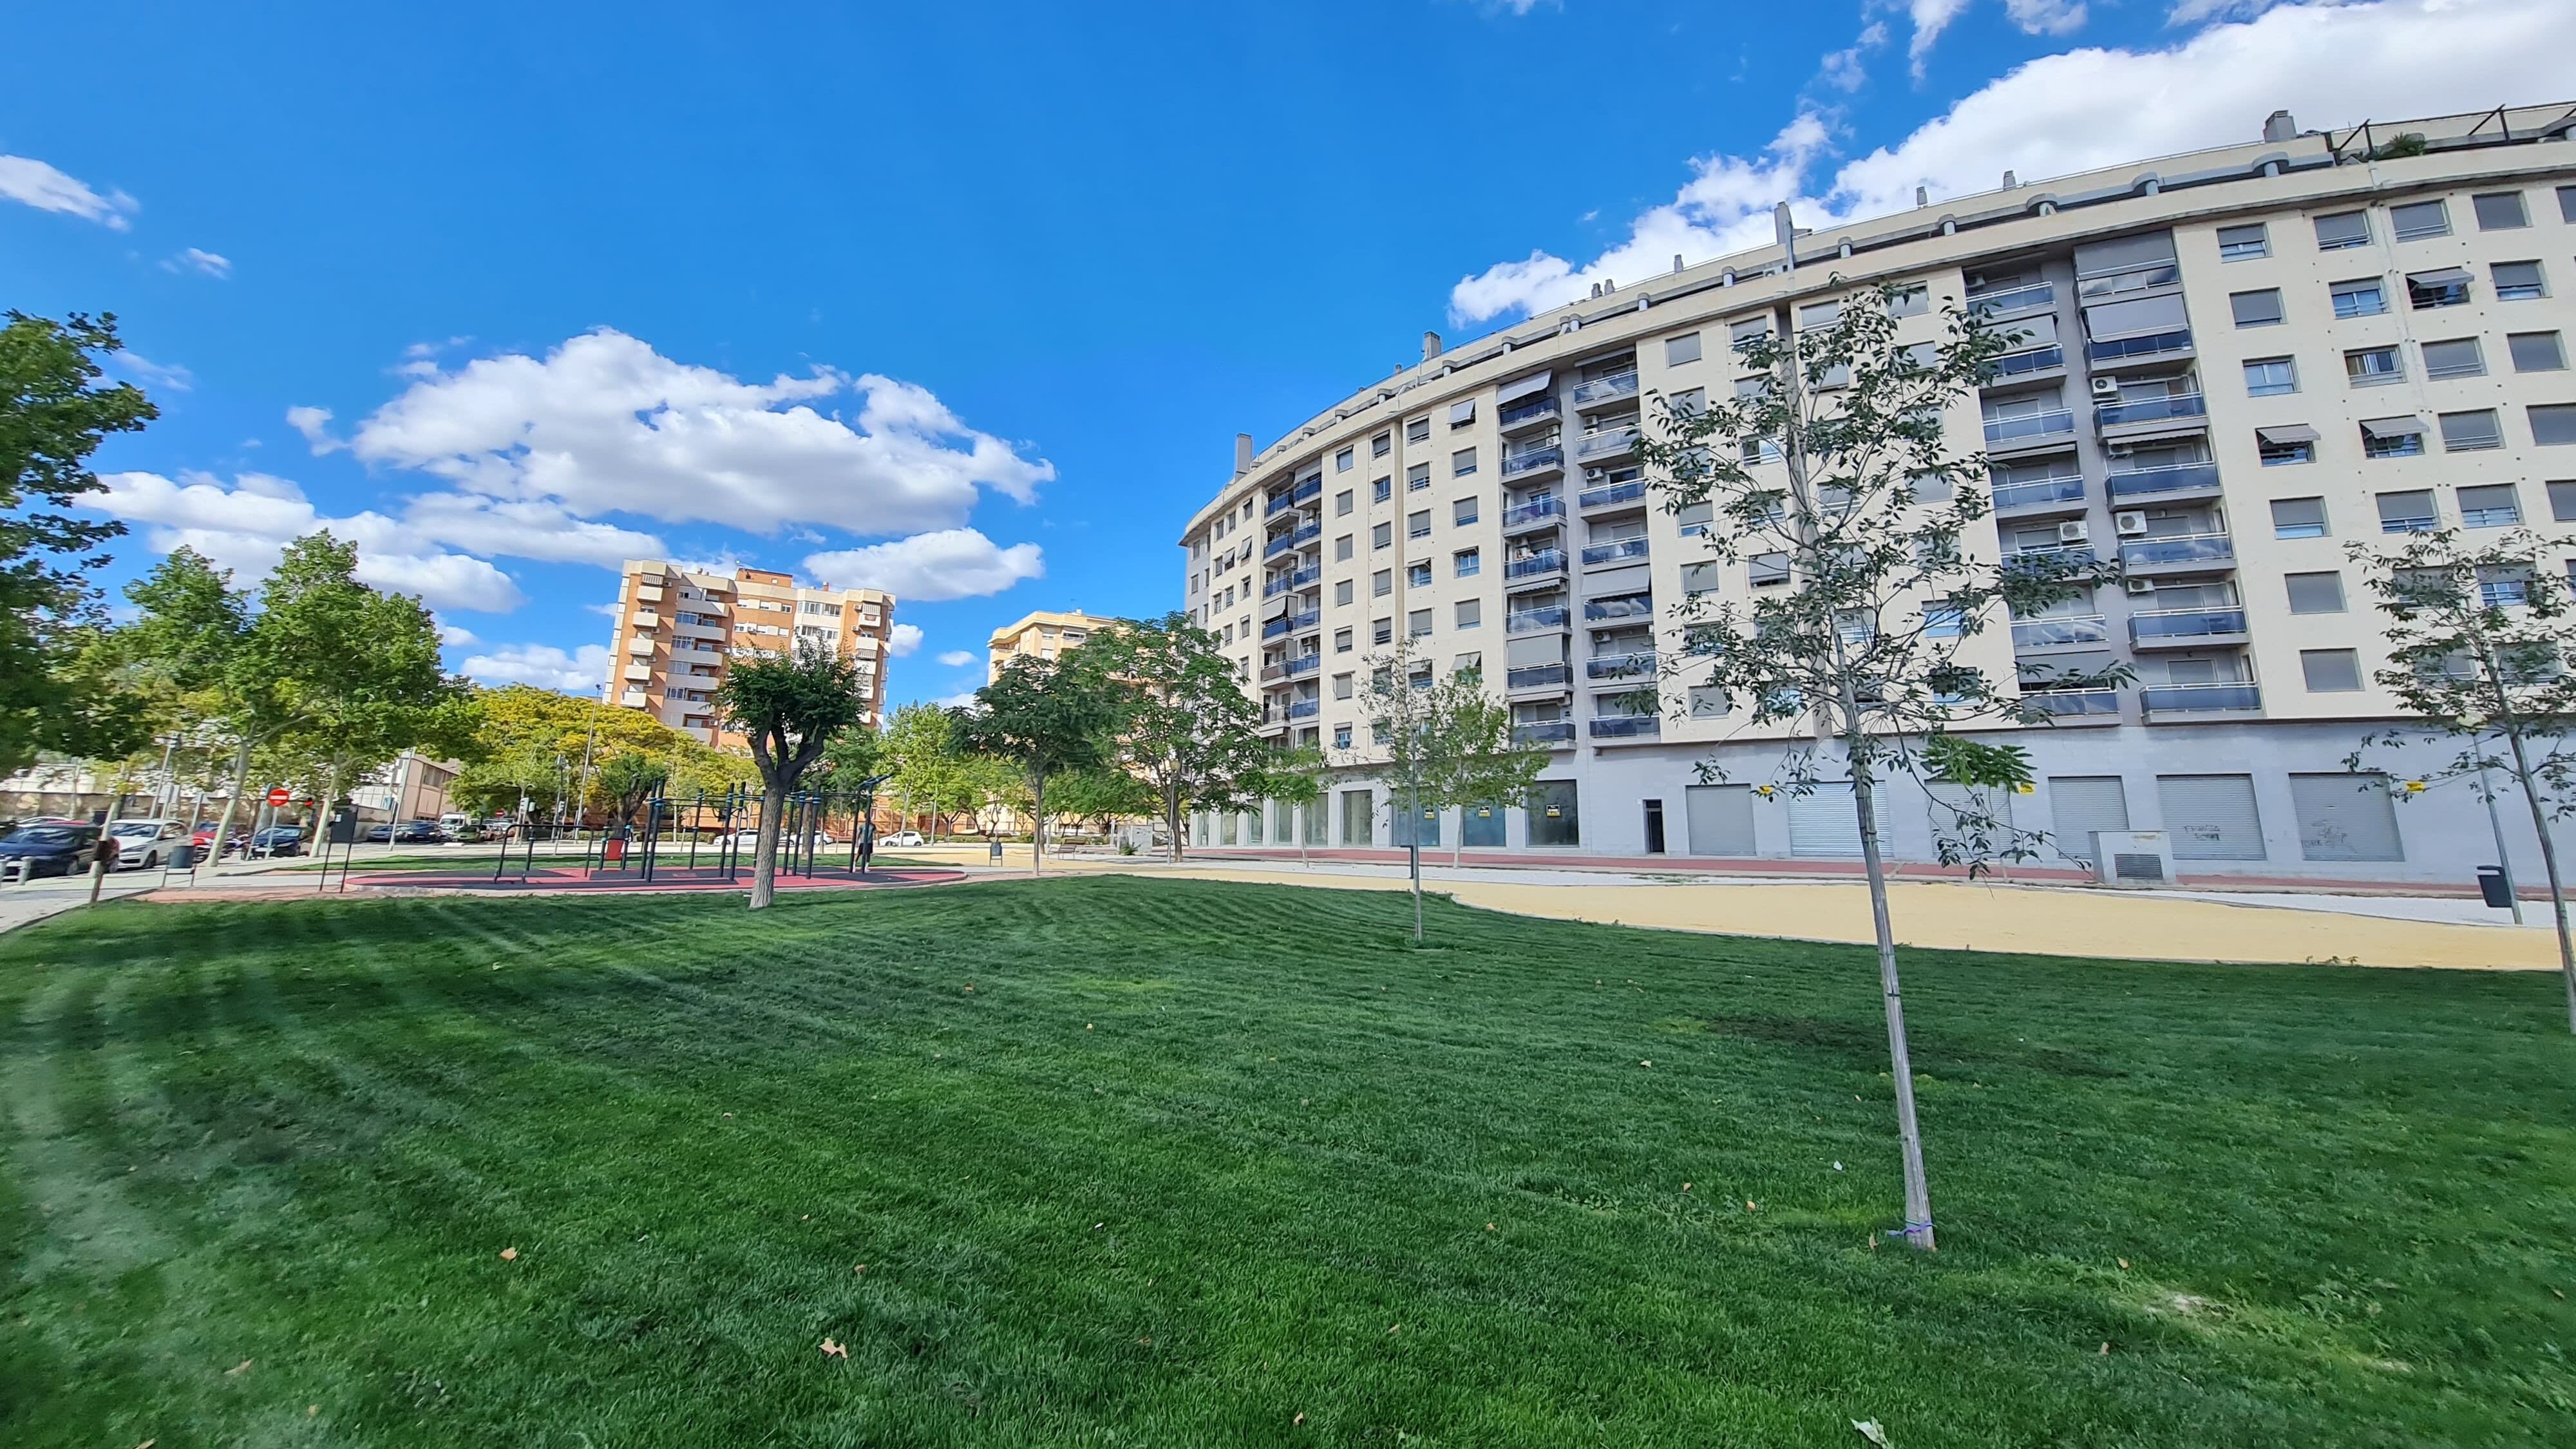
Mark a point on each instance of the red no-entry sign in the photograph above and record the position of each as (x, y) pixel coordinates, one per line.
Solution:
(279, 796)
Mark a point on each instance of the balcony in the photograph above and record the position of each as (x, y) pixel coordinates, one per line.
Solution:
(1546, 563)
(1625, 606)
(632, 699)
(1605, 390)
(2028, 298)
(1628, 727)
(1608, 443)
(1292, 624)
(1537, 511)
(639, 672)
(1618, 552)
(2132, 349)
(1292, 669)
(2048, 495)
(1528, 414)
(1293, 539)
(2075, 703)
(2068, 632)
(2228, 697)
(2029, 429)
(1287, 582)
(640, 644)
(1539, 676)
(1532, 460)
(1544, 732)
(1550, 617)
(2181, 553)
(2136, 279)
(1305, 709)
(1611, 496)
(1632, 665)
(2032, 363)
(2176, 481)
(2056, 555)
(2150, 410)
(1311, 489)
(2186, 628)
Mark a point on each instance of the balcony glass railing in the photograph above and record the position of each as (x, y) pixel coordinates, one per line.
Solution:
(2063, 702)
(2060, 633)
(1605, 389)
(1305, 709)
(2169, 625)
(2201, 698)
(2022, 364)
(1292, 539)
(2138, 279)
(2047, 491)
(2185, 548)
(1545, 561)
(1625, 606)
(2173, 478)
(1536, 621)
(1627, 726)
(1292, 624)
(1612, 495)
(2061, 554)
(1311, 489)
(1620, 666)
(1286, 582)
(2151, 409)
(2025, 426)
(1290, 669)
(1544, 732)
(2153, 345)
(1608, 443)
(1626, 548)
(1533, 460)
(2012, 299)
(1521, 414)
(1545, 506)
(1537, 676)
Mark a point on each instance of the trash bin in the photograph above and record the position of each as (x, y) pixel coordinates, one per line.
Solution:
(2491, 885)
(997, 852)
(183, 856)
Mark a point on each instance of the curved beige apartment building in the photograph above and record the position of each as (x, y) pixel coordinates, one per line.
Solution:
(678, 626)
(1045, 634)
(2235, 361)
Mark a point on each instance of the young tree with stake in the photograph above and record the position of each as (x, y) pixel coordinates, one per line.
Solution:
(1835, 471)
(791, 706)
(1435, 743)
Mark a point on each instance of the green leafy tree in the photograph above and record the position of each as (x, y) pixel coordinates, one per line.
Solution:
(2480, 636)
(629, 778)
(1834, 473)
(790, 706)
(54, 414)
(1298, 777)
(1481, 762)
(1100, 795)
(919, 749)
(1184, 725)
(1042, 717)
(852, 766)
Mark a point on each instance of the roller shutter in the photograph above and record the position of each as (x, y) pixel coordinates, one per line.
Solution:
(2211, 817)
(1721, 819)
(2079, 805)
(2345, 817)
(1822, 822)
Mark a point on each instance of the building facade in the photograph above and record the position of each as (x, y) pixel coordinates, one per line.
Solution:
(412, 786)
(2231, 363)
(1041, 635)
(678, 627)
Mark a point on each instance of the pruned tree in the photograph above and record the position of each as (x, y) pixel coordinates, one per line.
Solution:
(2480, 638)
(629, 778)
(1184, 725)
(1042, 717)
(790, 706)
(1834, 475)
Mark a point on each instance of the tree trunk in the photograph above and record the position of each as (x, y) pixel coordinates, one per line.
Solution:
(1302, 862)
(1037, 822)
(1918, 1191)
(764, 851)
(2549, 865)
(1172, 819)
(1413, 857)
(223, 828)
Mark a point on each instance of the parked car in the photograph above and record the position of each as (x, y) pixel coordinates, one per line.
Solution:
(144, 844)
(278, 841)
(203, 838)
(902, 837)
(419, 832)
(47, 847)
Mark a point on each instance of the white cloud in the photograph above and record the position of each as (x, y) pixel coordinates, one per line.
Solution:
(951, 563)
(603, 423)
(205, 263)
(2087, 108)
(31, 182)
(1930, 18)
(581, 672)
(1845, 69)
(963, 699)
(144, 370)
(315, 425)
(453, 635)
(541, 531)
(958, 658)
(2193, 12)
(902, 639)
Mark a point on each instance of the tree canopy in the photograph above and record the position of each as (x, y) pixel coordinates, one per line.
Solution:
(790, 706)
(1042, 717)
(1181, 720)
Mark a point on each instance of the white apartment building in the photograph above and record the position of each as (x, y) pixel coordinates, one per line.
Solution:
(2234, 362)
(677, 627)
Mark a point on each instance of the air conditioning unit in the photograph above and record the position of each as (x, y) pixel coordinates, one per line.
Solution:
(2073, 531)
(2133, 858)
(2130, 523)
(2142, 586)
(2106, 387)
(1593, 475)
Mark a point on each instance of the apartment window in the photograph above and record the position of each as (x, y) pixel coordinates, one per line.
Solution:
(1342, 549)
(1341, 737)
(1382, 631)
(1767, 568)
(1342, 640)
(2360, 297)
(1688, 404)
(2500, 211)
(1417, 576)
(1418, 431)
(1740, 334)
(1341, 592)
(2319, 593)
(1345, 460)
(2455, 357)
(2519, 282)
(1382, 536)
(1417, 624)
(1909, 299)
(2392, 438)
(1466, 563)
(2330, 671)
(1462, 462)
(2441, 287)
(2471, 432)
(2373, 366)
(1381, 583)
(1419, 476)
(2567, 204)
(1342, 503)
(2417, 220)
(1228, 636)
(2536, 352)
(2409, 512)
(1944, 619)
(2503, 586)
(1418, 524)
(1693, 518)
(2298, 518)
(2489, 505)
(1463, 512)
(1342, 686)
(1816, 315)
(2343, 230)
(1701, 578)
(1678, 350)
(2282, 447)
(2271, 377)
(2256, 309)
(1471, 613)
(2243, 243)
(2562, 501)
(1381, 445)
(2552, 424)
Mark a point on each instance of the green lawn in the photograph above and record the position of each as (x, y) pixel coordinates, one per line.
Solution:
(1192, 1159)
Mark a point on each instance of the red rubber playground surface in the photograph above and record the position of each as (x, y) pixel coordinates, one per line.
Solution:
(559, 879)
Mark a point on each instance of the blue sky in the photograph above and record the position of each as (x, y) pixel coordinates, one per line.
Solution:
(968, 301)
